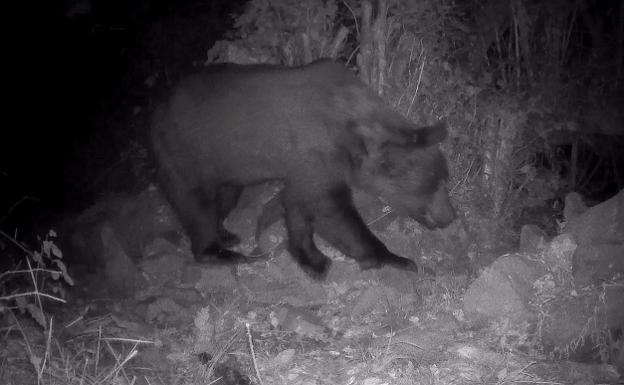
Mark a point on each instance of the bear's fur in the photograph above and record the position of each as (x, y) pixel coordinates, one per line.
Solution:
(319, 130)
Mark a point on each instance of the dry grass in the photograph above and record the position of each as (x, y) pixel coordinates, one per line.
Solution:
(46, 358)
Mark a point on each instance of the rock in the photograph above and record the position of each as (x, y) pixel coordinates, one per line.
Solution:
(573, 206)
(558, 257)
(371, 299)
(503, 290)
(595, 263)
(283, 358)
(603, 223)
(619, 359)
(164, 310)
(572, 319)
(131, 220)
(299, 320)
(599, 233)
(160, 245)
(190, 276)
(212, 279)
(532, 239)
(185, 297)
(302, 293)
(122, 277)
(164, 268)
(272, 239)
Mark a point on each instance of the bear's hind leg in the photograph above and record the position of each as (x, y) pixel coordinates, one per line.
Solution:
(205, 228)
(226, 200)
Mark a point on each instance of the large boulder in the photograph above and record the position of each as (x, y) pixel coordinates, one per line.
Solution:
(502, 291)
(603, 223)
(599, 234)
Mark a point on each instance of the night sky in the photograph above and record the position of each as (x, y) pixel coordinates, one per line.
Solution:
(79, 90)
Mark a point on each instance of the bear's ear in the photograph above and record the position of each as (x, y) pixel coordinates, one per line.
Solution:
(392, 128)
(429, 135)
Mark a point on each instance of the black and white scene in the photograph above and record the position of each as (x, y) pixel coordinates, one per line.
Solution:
(313, 192)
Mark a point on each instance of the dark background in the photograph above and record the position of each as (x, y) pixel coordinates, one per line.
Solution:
(78, 91)
(82, 81)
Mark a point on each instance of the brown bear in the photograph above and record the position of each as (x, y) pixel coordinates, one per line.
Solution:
(316, 128)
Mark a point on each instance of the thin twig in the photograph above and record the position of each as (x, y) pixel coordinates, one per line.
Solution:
(355, 19)
(97, 350)
(46, 354)
(128, 340)
(14, 206)
(422, 65)
(119, 366)
(36, 269)
(14, 241)
(35, 293)
(31, 355)
(253, 354)
(34, 282)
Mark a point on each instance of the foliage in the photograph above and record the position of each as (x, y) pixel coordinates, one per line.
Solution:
(524, 85)
(557, 54)
(269, 31)
(508, 76)
(45, 272)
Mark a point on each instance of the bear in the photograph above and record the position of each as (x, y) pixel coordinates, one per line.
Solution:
(317, 129)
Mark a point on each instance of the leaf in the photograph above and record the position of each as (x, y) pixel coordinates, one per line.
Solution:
(56, 251)
(64, 272)
(502, 374)
(35, 361)
(69, 280)
(21, 303)
(37, 257)
(45, 247)
(37, 314)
